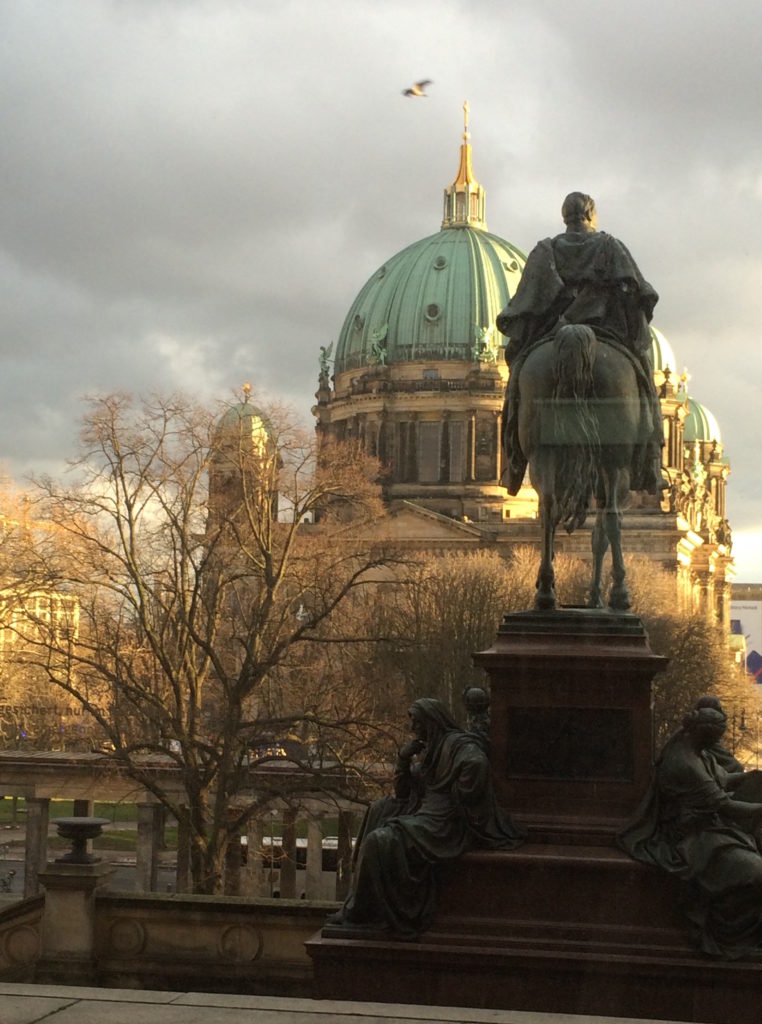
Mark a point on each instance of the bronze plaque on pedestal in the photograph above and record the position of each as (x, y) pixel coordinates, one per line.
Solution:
(570, 743)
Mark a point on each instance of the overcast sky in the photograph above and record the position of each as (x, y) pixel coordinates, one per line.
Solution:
(193, 191)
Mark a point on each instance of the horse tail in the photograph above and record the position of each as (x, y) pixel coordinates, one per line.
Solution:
(575, 425)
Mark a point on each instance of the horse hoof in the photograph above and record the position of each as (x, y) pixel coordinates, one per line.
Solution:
(619, 599)
(545, 602)
(595, 601)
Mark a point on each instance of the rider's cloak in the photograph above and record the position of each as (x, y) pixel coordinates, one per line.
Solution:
(581, 278)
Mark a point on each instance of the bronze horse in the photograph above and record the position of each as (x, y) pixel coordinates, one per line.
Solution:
(580, 422)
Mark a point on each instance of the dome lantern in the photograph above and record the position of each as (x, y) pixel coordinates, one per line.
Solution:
(437, 299)
(464, 200)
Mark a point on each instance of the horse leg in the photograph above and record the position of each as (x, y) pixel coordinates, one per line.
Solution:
(600, 543)
(545, 596)
(619, 598)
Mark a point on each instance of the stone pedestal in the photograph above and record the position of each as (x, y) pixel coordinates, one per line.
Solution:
(551, 929)
(572, 746)
(567, 923)
(68, 932)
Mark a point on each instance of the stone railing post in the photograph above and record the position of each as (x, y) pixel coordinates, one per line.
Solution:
(36, 846)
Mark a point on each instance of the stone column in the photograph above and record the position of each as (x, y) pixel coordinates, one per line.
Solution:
(498, 463)
(383, 436)
(182, 872)
(471, 471)
(444, 449)
(232, 879)
(146, 863)
(344, 855)
(256, 874)
(411, 471)
(314, 876)
(722, 597)
(288, 859)
(159, 824)
(36, 846)
(272, 861)
(84, 809)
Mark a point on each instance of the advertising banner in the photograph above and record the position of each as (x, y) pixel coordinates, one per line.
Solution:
(746, 634)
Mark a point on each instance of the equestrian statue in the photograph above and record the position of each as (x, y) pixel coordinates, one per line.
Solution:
(581, 409)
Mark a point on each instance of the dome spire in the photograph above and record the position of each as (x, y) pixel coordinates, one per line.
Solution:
(464, 199)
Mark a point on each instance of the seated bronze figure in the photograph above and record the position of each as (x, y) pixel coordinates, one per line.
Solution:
(443, 806)
(701, 821)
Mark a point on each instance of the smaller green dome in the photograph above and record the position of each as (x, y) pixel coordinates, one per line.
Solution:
(243, 423)
(700, 424)
(662, 356)
(237, 414)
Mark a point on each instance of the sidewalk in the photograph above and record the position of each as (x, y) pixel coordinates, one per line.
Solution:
(56, 1004)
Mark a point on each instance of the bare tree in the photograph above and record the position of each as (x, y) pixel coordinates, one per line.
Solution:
(700, 661)
(204, 551)
(450, 606)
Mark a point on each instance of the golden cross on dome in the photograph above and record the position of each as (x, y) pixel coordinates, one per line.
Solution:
(465, 121)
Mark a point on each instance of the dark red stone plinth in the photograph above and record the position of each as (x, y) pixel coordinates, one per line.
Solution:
(553, 929)
(572, 745)
(598, 982)
(567, 923)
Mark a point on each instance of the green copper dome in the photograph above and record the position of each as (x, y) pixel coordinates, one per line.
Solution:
(243, 426)
(700, 424)
(438, 298)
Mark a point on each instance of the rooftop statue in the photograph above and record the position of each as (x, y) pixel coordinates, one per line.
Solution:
(701, 821)
(443, 806)
(323, 358)
(581, 408)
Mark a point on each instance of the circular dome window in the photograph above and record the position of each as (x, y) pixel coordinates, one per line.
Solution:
(382, 272)
(513, 265)
(432, 312)
(440, 263)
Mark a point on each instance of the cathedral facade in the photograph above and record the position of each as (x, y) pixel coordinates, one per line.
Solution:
(419, 377)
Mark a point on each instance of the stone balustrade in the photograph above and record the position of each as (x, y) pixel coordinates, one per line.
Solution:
(272, 862)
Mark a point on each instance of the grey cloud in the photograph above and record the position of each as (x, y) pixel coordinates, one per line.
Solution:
(194, 192)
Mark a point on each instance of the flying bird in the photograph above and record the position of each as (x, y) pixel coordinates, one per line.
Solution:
(418, 88)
